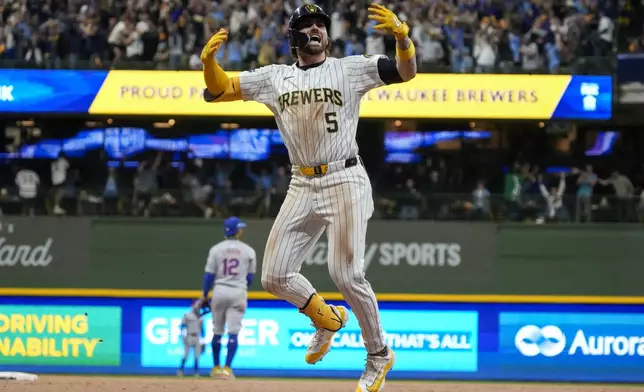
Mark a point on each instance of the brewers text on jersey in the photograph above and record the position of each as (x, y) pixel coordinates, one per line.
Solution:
(314, 95)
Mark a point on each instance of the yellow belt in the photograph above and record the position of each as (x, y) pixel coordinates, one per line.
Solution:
(312, 171)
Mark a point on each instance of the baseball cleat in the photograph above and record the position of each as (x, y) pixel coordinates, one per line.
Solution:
(373, 378)
(226, 374)
(216, 372)
(321, 342)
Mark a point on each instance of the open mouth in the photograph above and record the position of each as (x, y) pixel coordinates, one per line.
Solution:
(315, 38)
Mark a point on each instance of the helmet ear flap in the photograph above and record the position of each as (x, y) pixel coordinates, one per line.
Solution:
(297, 39)
(291, 43)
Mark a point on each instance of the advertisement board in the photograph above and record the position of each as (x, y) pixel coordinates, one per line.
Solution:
(432, 341)
(409, 260)
(606, 344)
(278, 339)
(44, 251)
(400, 256)
(404, 260)
(60, 335)
(48, 91)
(441, 96)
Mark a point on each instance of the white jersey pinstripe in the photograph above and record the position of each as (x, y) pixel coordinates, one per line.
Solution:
(317, 111)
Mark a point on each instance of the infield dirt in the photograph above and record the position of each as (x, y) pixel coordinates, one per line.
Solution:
(187, 384)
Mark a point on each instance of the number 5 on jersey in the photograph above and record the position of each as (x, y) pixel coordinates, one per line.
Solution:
(332, 122)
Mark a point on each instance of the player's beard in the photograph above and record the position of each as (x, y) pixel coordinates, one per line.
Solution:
(312, 51)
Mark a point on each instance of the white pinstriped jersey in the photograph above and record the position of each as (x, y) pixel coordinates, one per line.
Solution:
(231, 261)
(316, 109)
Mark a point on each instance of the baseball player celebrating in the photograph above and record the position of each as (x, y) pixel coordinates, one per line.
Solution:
(230, 267)
(192, 329)
(316, 103)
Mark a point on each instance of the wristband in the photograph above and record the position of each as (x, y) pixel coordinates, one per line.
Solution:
(406, 54)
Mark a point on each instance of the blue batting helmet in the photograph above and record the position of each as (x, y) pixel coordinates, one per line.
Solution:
(232, 225)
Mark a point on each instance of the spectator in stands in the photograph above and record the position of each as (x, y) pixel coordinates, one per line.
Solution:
(221, 174)
(435, 187)
(508, 48)
(145, 185)
(353, 47)
(624, 191)
(196, 193)
(555, 209)
(263, 184)
(27, 182)
(73, 190)
(431, 45)
(119, 36)
(374, 44)
(59, 169)
(34, 54)
(481, 209)
(175, 47)
(530, 57)
(512, 191)
(485, 47)
(111, 193)
(168, 32)
(603, 40)
(585, 185)
(410, 201)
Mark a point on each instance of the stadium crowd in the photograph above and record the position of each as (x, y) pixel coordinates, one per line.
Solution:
(451, 35)
(458, 36)
(438, 189)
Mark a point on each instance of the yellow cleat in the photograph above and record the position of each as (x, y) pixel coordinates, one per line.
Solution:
(321, 342)
(373, 378)
(216, 372)
(227, 374)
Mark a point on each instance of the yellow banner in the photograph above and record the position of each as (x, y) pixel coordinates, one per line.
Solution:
(426, 96)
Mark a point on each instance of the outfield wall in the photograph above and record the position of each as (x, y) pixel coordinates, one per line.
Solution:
(461, 341)
(464, 301)
(413, 259)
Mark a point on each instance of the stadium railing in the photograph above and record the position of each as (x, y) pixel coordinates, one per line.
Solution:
(416, 205)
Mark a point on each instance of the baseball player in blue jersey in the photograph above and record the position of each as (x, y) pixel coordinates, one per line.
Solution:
(193, 333)
(230, 266)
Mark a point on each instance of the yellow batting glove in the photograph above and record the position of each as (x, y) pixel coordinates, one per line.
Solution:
(388, 21)
(213, 45)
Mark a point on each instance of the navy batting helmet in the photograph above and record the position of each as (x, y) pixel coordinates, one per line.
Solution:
(297, 39)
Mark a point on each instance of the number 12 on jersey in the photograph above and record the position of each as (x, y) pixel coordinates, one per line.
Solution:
(230, 267)
(332, 122)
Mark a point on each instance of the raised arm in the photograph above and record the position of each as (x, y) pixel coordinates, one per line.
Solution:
(219, 86)
(562, 184)
(405, 50)
(543, 190)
